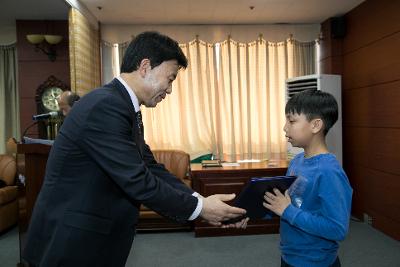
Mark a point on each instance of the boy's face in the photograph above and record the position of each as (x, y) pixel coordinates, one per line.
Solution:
(299, 131)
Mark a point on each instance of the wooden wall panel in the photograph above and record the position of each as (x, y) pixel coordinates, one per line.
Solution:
(28, 105)
(34, 67)
(331, 59)
(370, 72)
(376, 63)
(377, 195)
(359, 187)
(386, 225)
(376, 148)
(371, 21)
(361, 107)
(332, 65)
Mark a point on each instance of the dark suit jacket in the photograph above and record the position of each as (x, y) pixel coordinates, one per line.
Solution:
(98, 173)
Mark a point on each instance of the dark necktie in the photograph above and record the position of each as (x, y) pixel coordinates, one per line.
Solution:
(139, 122)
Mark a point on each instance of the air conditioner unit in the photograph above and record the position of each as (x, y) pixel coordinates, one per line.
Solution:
(326, 83)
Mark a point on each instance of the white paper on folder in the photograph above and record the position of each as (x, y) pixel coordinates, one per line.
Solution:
(249, 160)
(230, 164)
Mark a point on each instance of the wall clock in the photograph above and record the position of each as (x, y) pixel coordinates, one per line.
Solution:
(46, 101)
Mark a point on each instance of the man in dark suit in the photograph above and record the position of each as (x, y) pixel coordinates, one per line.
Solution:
(100, 169)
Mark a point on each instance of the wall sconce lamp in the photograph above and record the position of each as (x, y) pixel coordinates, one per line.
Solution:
(48, 47)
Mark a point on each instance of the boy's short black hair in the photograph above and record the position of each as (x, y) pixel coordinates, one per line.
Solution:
(314, 104)
(153, 46)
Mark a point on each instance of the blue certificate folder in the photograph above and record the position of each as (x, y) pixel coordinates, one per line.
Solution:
(252, 196)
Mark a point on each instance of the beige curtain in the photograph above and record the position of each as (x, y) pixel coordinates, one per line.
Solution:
(112, 56)
(84, 50)
(230, 100)
(121, 52)
(9, 99)
(252, 95)
(185, 120)
(302, 58)
(107, 62)
(252, 99)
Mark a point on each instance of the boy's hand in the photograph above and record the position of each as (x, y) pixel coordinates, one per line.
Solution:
(240, 225)
(278, 202)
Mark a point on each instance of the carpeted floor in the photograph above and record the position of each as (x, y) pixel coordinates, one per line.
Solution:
(364, 247)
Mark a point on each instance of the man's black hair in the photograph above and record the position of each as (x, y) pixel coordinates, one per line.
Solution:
(314, 104)
(72, 98)
(153, 46)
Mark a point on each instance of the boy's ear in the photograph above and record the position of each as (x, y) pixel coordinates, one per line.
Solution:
(317, 125)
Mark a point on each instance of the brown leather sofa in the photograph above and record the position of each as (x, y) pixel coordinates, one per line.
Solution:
(8, 193)
(12, 150)
(178, 163)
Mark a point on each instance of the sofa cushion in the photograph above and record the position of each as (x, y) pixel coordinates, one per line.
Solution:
(8, 194)
(8, 169)
(178, 163)
(11, 146)
(175, 161)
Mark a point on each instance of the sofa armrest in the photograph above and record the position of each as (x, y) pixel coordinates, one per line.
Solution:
(8, 194)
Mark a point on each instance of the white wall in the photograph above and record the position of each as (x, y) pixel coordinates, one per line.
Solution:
(185, 33)
(214, 33)
(8, 33)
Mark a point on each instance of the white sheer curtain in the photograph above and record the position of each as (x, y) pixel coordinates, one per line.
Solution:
(230, 100)
(111, 55)
(107, 65)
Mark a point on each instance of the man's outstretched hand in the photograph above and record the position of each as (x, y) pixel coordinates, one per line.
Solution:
(215, 210)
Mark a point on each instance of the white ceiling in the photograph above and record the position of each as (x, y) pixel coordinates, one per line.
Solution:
(11, 10)
(217, 11)
(183, 11)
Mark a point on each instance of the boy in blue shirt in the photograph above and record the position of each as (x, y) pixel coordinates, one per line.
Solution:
(315, 211)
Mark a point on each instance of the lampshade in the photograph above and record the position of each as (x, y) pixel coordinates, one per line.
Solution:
(53, 39)
(35, 38)
(48, 47)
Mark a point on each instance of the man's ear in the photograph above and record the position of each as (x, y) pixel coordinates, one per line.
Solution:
(144, 67)
(317, 125)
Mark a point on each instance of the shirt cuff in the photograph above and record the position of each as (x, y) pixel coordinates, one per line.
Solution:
(198, 209)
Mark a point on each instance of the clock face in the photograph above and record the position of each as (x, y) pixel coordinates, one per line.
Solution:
(49, 98)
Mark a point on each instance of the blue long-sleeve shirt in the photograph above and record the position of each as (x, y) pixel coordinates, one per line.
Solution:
(319, 214)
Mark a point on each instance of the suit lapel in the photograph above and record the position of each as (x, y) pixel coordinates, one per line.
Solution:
(139, 139)
(124, 95)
